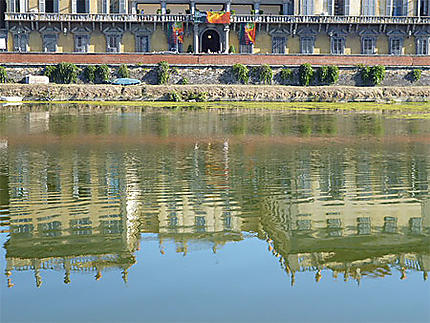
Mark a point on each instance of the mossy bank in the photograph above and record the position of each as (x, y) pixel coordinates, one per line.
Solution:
(215, 92)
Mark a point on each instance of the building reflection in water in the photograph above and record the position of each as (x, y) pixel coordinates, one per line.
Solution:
(355, 212)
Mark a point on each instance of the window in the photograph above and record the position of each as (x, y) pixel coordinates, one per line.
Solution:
(246, 48)
(20, 42)
(368, 8)
(50, 43)
(423, 46)
(337, 45)
(390, 224)
(81, 43)
(396, 45)
(278, 44)
(424, 8)
(368, 45)
(142, 43)
(364, 226)
(308, 7)
(397, 7)
(113, 44)
(307, 45)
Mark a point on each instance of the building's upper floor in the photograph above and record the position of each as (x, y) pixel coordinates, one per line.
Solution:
(259, 10)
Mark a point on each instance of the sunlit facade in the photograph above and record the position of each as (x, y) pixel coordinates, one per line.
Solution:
(337, 27)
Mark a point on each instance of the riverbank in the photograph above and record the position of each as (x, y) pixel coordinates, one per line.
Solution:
(216, 92)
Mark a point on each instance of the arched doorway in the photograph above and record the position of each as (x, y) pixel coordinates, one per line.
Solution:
(210, 41)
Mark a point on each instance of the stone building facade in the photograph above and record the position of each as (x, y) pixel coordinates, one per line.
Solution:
(338, 27)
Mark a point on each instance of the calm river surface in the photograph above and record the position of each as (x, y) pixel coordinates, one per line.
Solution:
(145, 215)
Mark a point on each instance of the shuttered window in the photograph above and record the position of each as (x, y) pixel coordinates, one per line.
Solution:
(278, 44)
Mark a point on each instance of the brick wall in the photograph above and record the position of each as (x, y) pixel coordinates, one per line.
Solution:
(346, 60)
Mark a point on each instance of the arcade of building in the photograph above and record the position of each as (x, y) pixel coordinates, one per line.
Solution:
(338, 27)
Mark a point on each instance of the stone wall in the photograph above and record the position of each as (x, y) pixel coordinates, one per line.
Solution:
(216, 74)
(212, 92)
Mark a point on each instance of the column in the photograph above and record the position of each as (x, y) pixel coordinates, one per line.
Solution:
(163, 7)
(74, 6)
(22, 6)
(257, 7)
(192, 7)
(196, 39)
(226, 38)
(228, 6)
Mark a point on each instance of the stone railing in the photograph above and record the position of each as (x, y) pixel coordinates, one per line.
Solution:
(268, 19)
(264, 19)
(94, 17)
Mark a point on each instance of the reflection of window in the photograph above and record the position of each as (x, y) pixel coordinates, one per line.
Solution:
(278, 44)
(416, 225)
(80, 223)
(50, 43)
(307, 45)
(111, 226)
(337, 45)
(368, 8)
(303, 225)
(246, 48)
(81, 43)
(227, 222)
(334, 227)
(396, 45)
(368, 45)
(363, 225)
(200, 222)
(423, 46)
(390, 224)
(20, 43)
(142, 44)
(113, 43)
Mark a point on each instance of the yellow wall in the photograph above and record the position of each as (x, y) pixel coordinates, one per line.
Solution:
(65, 6)
(318, 7)
(97, 42)
(353, 45)
(10, 42)
(382, 45)
(271, 10)
(159, 40)
(65, 43)
(409, 46)
(188, 40)
(322, 44)
(94, 6)
(234, 40)
(293, 45)
(35, 42)
(263, 43)
(33, 5)
(128, 43)
(177, 8)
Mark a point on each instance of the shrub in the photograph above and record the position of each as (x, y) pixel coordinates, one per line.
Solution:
(328, 74)
(3, 75)
(102, 73)
(372, 75)
(322, 74)
(197, 96)
(90, 73)
(286, 75)
(305, 74)
(64, 73)
(123, 71)
(265, 74)
(232, 49)
(163, 72)
(175, 96)
(241, 73)
(416, 75)
(185, 81)
(333, 74)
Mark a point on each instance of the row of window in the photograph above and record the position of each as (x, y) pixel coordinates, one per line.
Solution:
(279, 44)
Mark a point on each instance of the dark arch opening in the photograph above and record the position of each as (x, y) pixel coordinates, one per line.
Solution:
(210, 41)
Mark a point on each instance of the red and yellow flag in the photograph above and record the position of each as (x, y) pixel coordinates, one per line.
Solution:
(178, 29)
(217, 17)
(250, 33)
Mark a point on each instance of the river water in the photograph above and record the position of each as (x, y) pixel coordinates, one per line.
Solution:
(171, 215)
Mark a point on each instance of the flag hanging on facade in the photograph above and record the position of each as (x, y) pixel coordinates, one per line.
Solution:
(248, 33)
(217, 17)
(177, 32)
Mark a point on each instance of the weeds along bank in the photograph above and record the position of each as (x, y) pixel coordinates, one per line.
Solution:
(200, 93)
(163, 73)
